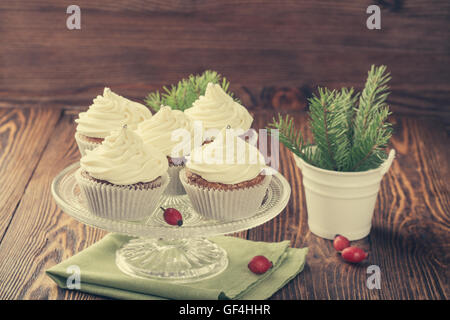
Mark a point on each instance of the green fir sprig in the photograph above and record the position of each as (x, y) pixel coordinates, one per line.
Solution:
(350, 130)
(180, 96)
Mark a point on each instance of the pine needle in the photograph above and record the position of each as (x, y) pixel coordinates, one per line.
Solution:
(181, 95)
(350, 131)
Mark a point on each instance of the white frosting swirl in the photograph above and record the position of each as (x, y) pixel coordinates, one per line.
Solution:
(216, 109)
(228, 160)
(124, 159)
(167, 130)
(108, 113)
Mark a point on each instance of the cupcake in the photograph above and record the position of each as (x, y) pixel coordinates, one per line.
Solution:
(216, 110)
(170, 132)
(107, 113)
(123, 178)
(226, 179)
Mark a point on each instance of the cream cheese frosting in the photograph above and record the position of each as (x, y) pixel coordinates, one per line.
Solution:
(166, 131)
(228, 160)
(216, 109)
(109, 112)
(124, 159)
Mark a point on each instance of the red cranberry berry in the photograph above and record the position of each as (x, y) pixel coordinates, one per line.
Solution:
(259, 264)
(353, 254)
(340, 243)
(173, 217)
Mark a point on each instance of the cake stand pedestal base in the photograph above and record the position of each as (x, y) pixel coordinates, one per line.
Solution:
(154, 256)
(184, 260)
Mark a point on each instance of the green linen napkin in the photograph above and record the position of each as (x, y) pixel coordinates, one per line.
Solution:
(99, 274)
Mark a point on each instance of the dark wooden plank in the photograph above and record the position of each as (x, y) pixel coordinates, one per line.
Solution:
(23, 137)
(262, 46)
(40, 235)
(409, 240)
(410, 236)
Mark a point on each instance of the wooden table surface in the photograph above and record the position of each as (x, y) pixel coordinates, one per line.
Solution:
(409, 240)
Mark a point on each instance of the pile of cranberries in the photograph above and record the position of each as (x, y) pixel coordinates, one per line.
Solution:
(260, 264)
(348, 253)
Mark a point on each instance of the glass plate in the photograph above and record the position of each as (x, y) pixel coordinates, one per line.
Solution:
(164, 252)
(68, 196)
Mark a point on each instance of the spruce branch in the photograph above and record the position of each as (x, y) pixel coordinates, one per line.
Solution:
(289, 135)
(320, 122)
(344, 107)
(350, 130)
(371, 129)
(181, 95)
(330, 121)
(374, 94)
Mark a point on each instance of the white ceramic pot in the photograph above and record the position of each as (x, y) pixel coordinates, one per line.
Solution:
(341, 202)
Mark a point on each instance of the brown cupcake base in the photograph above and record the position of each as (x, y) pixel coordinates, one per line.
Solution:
(91, 139)
(87, 143)
(176, 162)
(197, 180)
(225, 202)
(136, 186)
(207, 141)
(121, 202)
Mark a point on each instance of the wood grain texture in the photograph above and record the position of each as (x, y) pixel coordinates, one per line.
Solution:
(40, 234)
(410, 236)
(21, 147)
(272, 51)
(409, 240)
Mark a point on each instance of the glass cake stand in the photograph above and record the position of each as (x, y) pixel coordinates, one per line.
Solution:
(161, 251)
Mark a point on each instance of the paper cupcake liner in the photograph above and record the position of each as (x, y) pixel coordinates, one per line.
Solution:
(226, 204)
(84, 145)
(175, 188)
(120, 202)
